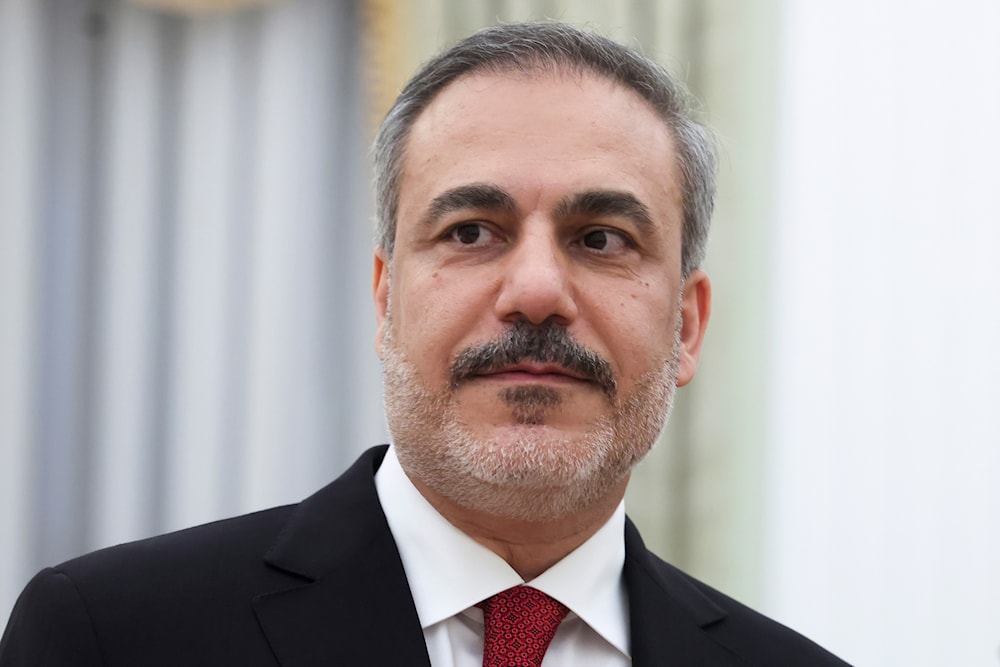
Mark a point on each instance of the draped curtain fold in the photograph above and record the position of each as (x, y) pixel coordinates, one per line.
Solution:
(185, 252)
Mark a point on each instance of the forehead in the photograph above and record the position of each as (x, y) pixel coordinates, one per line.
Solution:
(539, 132)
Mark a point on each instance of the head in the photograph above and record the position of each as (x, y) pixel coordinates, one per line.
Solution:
(533, 47)
(543, 200)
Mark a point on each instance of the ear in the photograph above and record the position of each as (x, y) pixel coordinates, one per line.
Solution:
(696, 306)
(380, 292)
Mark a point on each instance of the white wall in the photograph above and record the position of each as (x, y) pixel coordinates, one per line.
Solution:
(883, 514)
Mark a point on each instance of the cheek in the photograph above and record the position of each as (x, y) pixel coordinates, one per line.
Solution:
(639, 332)
(435, 316)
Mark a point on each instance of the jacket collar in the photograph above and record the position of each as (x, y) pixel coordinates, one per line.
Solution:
(347, 599)
(669, 615)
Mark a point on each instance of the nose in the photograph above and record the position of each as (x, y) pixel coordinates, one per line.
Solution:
(536, 282)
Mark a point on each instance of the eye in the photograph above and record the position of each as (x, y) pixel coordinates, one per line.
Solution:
(606, 241)
(470, 233)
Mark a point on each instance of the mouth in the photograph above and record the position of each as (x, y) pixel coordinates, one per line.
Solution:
(534, 373)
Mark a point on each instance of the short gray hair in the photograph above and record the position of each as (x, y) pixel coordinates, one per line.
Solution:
(552, 46)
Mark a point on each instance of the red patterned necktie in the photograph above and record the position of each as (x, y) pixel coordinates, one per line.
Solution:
(520, 623)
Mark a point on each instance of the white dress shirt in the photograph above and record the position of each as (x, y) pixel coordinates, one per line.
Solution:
(449, 573)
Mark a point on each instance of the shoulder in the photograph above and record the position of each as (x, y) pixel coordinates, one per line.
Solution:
(206, 550)
(237, 549)
(98, 608)
(669, 596)
(758, 635)
(192, 595)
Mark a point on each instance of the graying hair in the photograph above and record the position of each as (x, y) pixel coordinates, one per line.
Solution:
(552, 46)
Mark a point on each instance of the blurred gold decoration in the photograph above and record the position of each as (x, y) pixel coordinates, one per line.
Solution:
(201, 6)
(388, 62)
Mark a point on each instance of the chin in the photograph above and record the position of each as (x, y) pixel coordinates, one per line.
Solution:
(534, 456)
(534, 468)
(535, 473)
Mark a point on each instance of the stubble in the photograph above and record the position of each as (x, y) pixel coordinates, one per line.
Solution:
(527, 471)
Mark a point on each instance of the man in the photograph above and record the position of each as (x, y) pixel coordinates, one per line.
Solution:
(544, 198)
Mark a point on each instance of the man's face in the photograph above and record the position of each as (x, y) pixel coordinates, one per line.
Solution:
(533, 322)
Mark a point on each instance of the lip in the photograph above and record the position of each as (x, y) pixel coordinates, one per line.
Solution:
(534, 373)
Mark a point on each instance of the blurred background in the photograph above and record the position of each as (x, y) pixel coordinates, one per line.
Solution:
(185, 273)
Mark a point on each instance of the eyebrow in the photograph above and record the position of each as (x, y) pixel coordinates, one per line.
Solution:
(596, 203)
(481, 196)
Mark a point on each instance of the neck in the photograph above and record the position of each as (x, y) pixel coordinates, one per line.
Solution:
(529, 547)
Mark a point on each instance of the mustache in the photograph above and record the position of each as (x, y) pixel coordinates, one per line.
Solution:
(545, 343)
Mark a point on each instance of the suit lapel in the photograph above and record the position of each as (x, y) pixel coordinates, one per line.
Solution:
(348, 601)
(669, 617)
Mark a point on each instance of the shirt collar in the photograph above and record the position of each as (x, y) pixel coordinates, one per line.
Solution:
(449, 572)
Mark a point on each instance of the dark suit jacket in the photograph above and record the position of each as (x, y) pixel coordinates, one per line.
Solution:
(321, 583)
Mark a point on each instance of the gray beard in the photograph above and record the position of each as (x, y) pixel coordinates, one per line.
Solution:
(530, 472)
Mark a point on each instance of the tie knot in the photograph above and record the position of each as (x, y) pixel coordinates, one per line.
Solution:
(520, 623)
